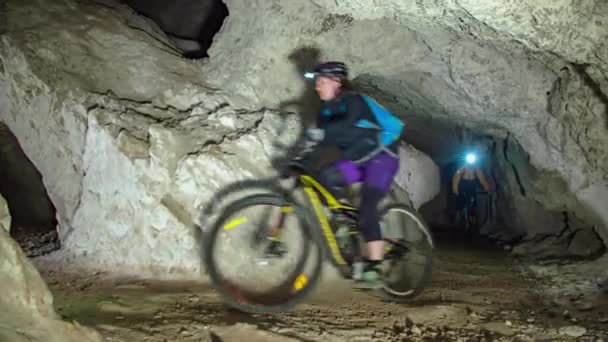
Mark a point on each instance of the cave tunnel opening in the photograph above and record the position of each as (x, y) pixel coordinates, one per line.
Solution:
(190, 25)
(465, 207)
(512, 215)
(33, 215)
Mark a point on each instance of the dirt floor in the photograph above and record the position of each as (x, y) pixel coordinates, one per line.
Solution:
(477, 294)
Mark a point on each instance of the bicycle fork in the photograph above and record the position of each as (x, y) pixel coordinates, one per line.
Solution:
(335, 254)
(277, 229)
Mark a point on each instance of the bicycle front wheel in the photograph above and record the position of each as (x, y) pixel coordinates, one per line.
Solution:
(236, 254)
(408, 251)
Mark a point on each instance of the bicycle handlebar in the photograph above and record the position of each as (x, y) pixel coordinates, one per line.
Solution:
(293, 169)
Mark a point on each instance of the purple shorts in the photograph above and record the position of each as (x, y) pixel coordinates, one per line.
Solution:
(378, 171)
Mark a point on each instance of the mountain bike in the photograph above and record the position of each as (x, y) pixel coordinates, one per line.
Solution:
(470, 220)
(468, 216)
(326, 229)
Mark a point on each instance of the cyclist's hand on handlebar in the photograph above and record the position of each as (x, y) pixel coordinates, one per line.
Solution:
(315, 134)
(312, 139)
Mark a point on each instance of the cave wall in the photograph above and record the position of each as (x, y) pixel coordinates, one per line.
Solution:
(534, 71)
(526, 215)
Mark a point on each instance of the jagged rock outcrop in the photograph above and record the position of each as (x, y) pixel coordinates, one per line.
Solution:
(26, 305)
(536, 72)
(541, 232)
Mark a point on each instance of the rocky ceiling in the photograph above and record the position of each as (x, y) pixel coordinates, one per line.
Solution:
(131, 137)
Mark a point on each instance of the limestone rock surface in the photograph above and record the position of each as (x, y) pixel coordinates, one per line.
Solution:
(26, 304)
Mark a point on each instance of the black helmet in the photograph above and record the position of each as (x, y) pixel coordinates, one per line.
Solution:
(334, 69)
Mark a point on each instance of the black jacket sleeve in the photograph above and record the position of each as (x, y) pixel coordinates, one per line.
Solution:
(338, 129)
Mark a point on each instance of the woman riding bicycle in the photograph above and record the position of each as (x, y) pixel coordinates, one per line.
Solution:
(344, 121)
(465, 184)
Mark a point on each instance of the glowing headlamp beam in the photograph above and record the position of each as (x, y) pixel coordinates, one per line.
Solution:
(309, 75)
(471, 158)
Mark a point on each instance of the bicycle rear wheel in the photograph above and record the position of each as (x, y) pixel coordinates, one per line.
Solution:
(246, 281)
(408, 251)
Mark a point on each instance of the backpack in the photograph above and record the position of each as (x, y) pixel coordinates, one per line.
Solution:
(391, 126)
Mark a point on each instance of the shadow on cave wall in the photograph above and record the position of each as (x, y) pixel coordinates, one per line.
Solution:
(305, 106)
(33, 214)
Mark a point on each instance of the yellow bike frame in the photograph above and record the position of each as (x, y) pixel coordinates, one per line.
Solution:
(310, 185)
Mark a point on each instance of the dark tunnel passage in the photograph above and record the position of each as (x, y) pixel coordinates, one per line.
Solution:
(34, 222)
(511, 215)
(192, 34)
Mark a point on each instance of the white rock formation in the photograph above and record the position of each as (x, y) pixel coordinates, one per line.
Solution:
(26, 305)
(418, 175)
